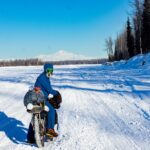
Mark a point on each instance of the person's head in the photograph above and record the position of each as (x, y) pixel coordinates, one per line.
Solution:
(48, 70)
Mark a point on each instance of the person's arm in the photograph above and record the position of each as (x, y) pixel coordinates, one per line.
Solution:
(45, 85)
(48, 88)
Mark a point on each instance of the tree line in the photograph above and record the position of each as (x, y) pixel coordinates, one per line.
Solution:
(36, 62)
(135, 37)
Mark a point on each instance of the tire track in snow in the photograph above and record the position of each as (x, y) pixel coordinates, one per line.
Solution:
(105, 122)
(118, 125)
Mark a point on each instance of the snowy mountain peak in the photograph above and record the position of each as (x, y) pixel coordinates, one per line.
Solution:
(61, 52)
(62, 55)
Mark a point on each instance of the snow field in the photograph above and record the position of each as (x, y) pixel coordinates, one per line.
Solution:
(105, 107)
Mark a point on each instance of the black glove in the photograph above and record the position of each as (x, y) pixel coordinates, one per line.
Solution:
(56, 100)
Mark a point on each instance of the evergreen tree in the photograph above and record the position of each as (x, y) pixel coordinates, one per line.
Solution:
(146, 27)
(130, 39)
(137, 20)
(116, 56)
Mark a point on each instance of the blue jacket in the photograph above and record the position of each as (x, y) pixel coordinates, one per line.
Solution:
(44, 83)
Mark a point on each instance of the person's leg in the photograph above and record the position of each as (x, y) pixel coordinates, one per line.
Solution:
(51, 121)
(51, 116)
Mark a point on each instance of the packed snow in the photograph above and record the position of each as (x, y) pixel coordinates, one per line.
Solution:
(105, 107)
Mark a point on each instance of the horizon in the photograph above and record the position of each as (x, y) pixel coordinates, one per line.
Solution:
(33, 28)
(57, 57)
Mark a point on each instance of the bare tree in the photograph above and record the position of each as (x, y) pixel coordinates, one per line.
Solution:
(121, 51)
(109, 48)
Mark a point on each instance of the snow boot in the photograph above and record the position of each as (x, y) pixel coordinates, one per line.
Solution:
(51, 133)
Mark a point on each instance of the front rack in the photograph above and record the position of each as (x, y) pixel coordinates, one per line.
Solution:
(36, 109)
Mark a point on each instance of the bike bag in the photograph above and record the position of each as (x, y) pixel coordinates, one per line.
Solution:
(33, 97)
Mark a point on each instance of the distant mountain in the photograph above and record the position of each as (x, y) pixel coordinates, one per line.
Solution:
(62, 55)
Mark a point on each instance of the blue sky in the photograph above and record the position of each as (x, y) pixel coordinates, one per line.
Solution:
(29, 28)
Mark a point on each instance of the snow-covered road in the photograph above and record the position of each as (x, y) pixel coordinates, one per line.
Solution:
(104, 107)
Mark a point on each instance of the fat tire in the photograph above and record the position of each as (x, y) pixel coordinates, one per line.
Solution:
(39, 139)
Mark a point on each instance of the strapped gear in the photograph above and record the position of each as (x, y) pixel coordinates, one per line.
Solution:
(34, 97)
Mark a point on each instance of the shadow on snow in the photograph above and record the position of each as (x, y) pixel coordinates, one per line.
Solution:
(13, 129)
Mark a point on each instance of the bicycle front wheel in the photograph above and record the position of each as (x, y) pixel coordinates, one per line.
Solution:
(39, 132)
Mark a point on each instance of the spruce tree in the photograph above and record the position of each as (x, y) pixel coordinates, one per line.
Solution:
(146, 27)
(137, 20)
(130, 40)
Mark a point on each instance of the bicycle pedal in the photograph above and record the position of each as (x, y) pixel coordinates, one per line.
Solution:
(49, 135)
